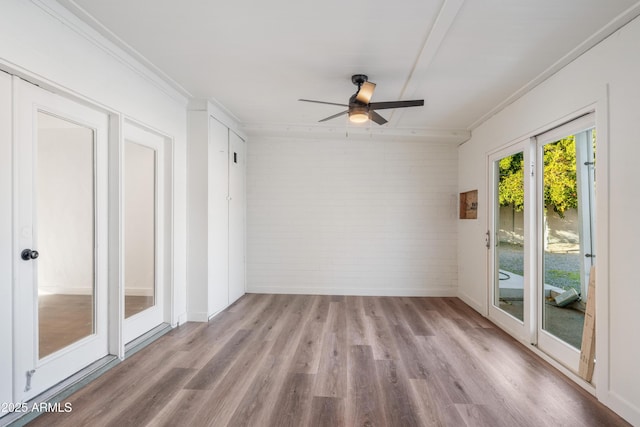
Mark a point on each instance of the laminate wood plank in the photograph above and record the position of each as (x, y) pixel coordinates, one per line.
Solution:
(202, 346)
(399, 408)
(480, 416)
(438, 364)
(286, 334)
(307, 355)
(271, 316)
(365, 398)
(255, 407)
(158, 394)
(371, 308)
(413, 318)
(286, 308)
(471, 373)
(122, 380)
(415, 360)
(389, 310)
(519, 376)
(382, 342)
(356, 326)
(180, 410)
(232, 387)
(434, 409)
(327, 412)
(294, 401)
(466, 371)
(429, 313)
(210, 374)
(469, 313)
(331, 380)
(322, 309)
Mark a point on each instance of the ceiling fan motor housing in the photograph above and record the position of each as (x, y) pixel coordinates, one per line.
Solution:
(359, 79)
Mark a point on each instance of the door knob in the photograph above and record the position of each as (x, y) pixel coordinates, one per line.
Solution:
(28, 254)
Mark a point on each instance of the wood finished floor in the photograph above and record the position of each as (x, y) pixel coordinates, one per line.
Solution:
(293, 360)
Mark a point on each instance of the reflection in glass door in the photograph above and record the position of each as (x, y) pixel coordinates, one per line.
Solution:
(140, 228)
(66, 237)
(143, 242)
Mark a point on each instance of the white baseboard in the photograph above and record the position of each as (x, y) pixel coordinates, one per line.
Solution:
(386, 292)
(63, 290)
(621, 406)
(138, 292)
(480, 308)
(200, 316)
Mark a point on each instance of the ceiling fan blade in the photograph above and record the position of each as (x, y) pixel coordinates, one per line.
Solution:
(323, 102)
(366, 92)
(334, 116)
(375, 117)
(396, 104)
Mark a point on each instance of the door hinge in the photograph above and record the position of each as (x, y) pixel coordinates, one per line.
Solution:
(29, 375)
(487, 239)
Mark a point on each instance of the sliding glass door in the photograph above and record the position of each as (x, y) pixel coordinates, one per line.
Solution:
(508, 238)
(566, 240)
(542, 237)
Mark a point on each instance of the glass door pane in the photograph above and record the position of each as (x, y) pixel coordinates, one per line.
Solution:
(65, 204)
(509, 226)
(140, 228)
(568, 184)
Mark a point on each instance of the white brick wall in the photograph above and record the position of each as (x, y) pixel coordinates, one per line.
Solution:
(364, 217)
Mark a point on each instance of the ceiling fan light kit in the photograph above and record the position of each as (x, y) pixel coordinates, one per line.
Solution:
(360, 109)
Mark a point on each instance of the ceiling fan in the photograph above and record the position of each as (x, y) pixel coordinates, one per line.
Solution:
(360, 109)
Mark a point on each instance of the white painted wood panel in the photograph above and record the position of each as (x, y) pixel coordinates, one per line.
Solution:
(347, 216)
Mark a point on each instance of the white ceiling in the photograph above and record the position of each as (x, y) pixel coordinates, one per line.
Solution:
(467, 59)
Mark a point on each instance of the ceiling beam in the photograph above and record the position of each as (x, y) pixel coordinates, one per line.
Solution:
(431, 44)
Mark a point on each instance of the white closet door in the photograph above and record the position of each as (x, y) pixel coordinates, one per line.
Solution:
(236, 217)
(218, 222)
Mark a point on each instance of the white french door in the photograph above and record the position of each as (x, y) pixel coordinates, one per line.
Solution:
(566, 235)
(542, 237)
(143, 217)
(60, 234)
(510, 254)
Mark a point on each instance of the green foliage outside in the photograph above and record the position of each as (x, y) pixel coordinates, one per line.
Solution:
(560, 188)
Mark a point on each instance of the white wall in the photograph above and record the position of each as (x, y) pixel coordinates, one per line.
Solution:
(44, 43)
(351, 216)
(606, 77)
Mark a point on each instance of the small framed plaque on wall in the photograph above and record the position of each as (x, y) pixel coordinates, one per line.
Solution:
(469, 205)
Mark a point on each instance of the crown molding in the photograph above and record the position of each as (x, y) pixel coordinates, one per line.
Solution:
(86, 26)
